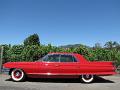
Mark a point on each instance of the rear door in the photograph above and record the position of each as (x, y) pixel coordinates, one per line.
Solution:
(68, 65)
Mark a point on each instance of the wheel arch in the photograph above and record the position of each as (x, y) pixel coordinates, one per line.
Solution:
(11, 69)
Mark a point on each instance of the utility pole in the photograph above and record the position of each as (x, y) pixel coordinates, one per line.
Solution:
(1, 58)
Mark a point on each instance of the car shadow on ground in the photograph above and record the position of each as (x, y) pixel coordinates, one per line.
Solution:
(58, 80)
(102, 80)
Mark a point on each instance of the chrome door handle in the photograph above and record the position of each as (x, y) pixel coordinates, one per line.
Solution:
(46, 64)
(57, 65)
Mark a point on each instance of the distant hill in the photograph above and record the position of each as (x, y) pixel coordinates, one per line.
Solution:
(73, 46)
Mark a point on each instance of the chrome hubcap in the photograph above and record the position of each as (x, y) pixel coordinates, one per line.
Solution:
(17, 74)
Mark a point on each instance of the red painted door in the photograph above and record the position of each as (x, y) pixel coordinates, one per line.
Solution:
(51, 68)
(68, 65)
(50, 65)
(69, 68)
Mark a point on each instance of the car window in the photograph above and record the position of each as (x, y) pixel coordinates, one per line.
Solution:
(44, 59)
(67, 58)
(51, 58)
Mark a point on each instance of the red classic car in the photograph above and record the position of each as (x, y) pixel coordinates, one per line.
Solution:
(59, 65)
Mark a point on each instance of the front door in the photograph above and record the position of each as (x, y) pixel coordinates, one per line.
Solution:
(50, 65)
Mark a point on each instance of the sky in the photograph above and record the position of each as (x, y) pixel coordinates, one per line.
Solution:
(60, 22)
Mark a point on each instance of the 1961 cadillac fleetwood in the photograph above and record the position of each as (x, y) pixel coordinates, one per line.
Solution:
(59, 65)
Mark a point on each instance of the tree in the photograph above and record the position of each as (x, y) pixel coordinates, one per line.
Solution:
(111, 44)
(31, 53)
(32, 40)
(5, 54)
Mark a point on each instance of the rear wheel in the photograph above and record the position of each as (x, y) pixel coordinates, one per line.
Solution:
(17, 75)
(87, 78)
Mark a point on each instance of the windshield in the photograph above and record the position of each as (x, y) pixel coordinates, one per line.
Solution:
(42, 59)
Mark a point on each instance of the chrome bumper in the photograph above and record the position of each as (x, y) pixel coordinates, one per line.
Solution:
(5, 70)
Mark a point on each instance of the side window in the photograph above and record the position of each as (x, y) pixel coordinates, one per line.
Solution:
(51, 58)
(67, 58)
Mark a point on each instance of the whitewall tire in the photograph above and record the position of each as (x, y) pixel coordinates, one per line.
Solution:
(87, 78)
(17, 75)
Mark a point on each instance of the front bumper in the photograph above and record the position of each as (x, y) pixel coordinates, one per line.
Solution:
(5, 70)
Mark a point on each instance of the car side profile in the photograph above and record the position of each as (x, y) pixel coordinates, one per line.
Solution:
(59, 65)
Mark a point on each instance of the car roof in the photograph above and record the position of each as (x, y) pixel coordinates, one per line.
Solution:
(78, 56)
(65, 53)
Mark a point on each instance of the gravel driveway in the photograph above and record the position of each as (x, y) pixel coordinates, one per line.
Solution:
(104, 83)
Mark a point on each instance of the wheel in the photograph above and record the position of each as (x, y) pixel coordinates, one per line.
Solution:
(17, 75)
(87, 78)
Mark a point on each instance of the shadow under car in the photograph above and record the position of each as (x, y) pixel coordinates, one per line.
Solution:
(61, 80)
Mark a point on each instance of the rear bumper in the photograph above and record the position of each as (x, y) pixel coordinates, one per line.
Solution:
(5, 71)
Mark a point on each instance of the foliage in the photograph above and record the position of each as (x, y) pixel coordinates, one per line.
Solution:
(32, 40)
(111, 44)
(32, 50)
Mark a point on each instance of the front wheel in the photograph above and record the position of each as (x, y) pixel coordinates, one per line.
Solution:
(17, 75)
(87, 78)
